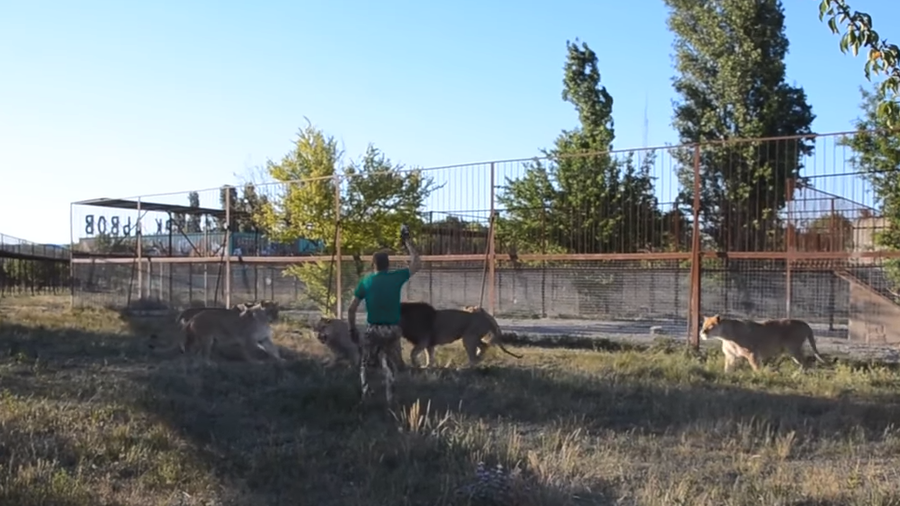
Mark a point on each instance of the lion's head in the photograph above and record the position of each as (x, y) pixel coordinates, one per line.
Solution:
(323, 328)
(335, 334)
(270, 306)
(713, 326)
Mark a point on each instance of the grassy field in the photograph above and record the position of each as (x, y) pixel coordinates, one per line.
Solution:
(90, 416)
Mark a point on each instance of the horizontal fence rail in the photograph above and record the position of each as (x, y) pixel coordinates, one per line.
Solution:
(757, 228)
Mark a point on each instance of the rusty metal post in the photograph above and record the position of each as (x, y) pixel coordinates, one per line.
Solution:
(206, 252)
(696, 259)
(170, 266)
(338, 290)
(139, 233)
(492, 252)
(71, 256)
(790, 247)
(431, 252)
(833, 278)
(833, 232)
(543, 262)
(227, 286)
(676, 226)
(676, 217)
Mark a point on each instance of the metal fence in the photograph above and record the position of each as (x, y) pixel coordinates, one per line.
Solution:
(760, 229)
(30, 268)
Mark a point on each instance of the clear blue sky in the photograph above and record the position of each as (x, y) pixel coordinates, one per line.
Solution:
(112, 98)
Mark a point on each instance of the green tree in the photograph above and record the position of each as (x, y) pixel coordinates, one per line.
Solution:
(193, 221)
(580, 198)
(245, 206)
(248, 207)
(882, 58)
(876, 154)
(453, 235)
(377, 197)
(177, 222)
(729, 55)
(227, 194)
(380, 196)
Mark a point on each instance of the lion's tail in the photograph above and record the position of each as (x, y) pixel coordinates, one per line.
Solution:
(812, 344)
(498, 335)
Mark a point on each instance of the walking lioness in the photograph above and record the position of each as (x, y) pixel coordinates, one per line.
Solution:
(759, 341)
(239, 331)
(271, 308)
(426, 327)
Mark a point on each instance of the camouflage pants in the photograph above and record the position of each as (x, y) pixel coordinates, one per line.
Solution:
(381, 346)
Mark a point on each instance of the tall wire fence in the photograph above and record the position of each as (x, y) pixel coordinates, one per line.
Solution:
(762, 228)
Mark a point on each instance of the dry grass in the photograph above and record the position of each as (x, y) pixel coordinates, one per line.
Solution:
(89, 416)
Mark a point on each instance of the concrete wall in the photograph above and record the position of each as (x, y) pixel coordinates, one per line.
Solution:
(600, 293)
(819, 297)
(873, 318)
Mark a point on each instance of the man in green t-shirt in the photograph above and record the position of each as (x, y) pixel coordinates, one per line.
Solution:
(381, 291)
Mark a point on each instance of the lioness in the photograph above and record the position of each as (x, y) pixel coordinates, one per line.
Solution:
(759, 341)
(446, 326)
(271, 308)
(241, 331)
(335, 334)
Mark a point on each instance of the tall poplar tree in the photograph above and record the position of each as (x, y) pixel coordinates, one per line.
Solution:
(729, 56)
(581, 198)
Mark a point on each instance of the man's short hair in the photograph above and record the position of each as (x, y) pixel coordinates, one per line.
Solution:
(381, 261)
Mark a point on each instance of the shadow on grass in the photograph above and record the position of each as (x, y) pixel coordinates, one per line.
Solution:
(273, 434)
(40, 466)
(535, 399)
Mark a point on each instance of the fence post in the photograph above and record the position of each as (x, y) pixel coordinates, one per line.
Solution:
(206, 252)
(169, 266)
(696, 258)
(832, 278)
(431, 252)
(139, 233)
(789, 197)
(71, 256)
(543, 262)
(492, 252)
(337, 246)
(227, 286)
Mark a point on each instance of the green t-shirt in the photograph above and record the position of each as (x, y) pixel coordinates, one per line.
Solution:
(381, 291)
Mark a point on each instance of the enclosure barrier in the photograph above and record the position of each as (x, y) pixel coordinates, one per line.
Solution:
(760, 228)
(29, 268)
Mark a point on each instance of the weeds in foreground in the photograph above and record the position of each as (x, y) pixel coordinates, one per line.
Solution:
(89, 416)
